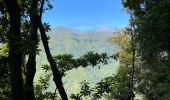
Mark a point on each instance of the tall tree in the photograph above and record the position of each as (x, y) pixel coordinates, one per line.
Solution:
(124, 79)
(152, 27)
(15, 49)
(57, 77)
(31, 64)
(119, 86)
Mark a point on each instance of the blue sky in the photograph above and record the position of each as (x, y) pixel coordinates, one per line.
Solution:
(87, 14)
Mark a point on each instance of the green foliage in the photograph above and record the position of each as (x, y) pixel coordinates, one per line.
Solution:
(96, 93)
(42, 88)
(5, 89)
(122, 80)
(117, 86)
(4, 23)
(96, 96)
(76, 97)
(65, 63)
(4, 49)
(4, 79)
(104, 86)
(152, 28)
(85, 89)
(47, 27)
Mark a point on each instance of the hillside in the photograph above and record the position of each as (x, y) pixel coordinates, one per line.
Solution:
(77, 42)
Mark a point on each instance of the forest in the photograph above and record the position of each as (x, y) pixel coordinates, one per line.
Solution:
(38, 62)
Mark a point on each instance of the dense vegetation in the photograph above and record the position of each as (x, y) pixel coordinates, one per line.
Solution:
(144, 55)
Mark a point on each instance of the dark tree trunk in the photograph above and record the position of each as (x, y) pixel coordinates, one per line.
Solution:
(56, 75)
(15, 49)
(31, 64)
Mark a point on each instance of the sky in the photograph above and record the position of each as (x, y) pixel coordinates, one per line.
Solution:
(87, 14)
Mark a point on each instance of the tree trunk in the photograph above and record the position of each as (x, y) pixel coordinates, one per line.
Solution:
(31, 64)
(57, 77)
(15, 49)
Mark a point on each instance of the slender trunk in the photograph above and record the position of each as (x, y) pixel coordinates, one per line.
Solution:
(57, 77)
(31, 64)
(133, 56)
(15, 49)
(30, 67)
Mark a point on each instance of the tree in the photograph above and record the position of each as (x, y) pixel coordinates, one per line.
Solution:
(152, 27)
(15, 49)
(28, 37)
(31, 64)
(57, 77)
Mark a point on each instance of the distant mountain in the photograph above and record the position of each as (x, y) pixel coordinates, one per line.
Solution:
(77, 42)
